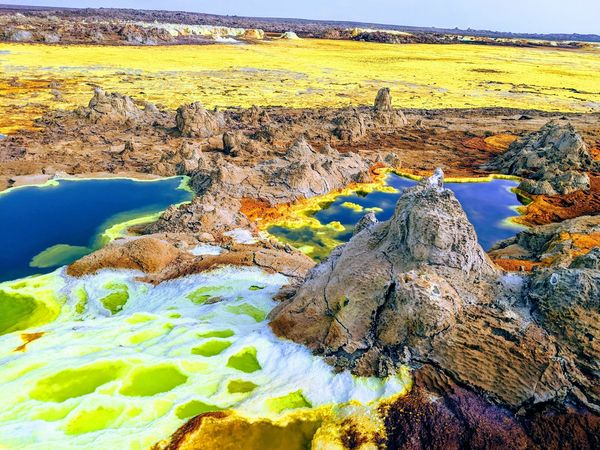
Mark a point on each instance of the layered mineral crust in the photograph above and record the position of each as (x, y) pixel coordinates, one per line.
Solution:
(419, 289)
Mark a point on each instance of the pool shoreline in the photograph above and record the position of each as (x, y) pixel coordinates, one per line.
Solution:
(301, 216)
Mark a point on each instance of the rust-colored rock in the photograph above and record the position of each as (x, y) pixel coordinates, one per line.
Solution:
(146, 254)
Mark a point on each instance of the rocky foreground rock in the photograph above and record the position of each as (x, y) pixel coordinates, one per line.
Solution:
(554, 160)
(419, 289)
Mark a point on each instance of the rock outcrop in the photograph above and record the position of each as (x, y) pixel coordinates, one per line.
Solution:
(221, 186)
(113, 108)
(195, 121)
(383, 100)
(554, 160)
(418, 289)
(566, 302)
(146, 254)
(385, 114)
(159, 259)
(555, 244)
(354, 124)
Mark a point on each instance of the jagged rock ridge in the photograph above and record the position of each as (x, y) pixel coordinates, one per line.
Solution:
(221, 185)
(554, 160)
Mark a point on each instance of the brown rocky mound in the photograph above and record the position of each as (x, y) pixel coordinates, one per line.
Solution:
(146, 254)
(195, 121)
(221, 186)
(554, 160)
(419, 289)
(115, 108)
(160, 260)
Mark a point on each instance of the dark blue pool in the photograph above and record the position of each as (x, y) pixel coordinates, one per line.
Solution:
(488, 206)
(42, 227)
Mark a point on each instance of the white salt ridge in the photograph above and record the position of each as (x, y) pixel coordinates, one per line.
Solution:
(176, 29)
(159, 325)
(241, 236)
(226, 40)
(205, 249)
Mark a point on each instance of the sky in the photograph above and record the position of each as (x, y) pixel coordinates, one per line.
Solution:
(532, 16)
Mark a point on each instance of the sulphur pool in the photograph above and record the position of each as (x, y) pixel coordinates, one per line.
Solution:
(44, 227)
(489, 206)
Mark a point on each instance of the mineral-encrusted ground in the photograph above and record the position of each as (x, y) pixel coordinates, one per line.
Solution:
(501, 359)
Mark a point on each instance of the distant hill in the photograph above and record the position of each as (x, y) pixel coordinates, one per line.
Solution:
(269, 24)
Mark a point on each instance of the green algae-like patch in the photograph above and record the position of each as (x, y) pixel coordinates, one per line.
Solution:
(14, 310)
(194, 408)
(293, 400)
(211, 348)
(149, 334)
(58, 255)
(216, 334)
(249, 310)
(18, 312)
(245, 361)
(255, 287)
(240, 386)
(54, 413)
(140, 318)
(148, 381)
(72, 383)
(91, 420)
(82, 300)
(115, 301)
(201, 295)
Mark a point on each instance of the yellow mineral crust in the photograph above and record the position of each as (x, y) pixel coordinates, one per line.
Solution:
(296, 73)
(123, 364)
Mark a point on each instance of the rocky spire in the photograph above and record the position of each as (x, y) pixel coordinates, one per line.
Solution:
(415, 270)
(419, 290)
(383, 100)
(195, 121)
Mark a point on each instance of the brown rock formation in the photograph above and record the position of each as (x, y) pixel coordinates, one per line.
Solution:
(114, 108)
(221, 185)
(160, 260)
(419, 289)
(555, 244)
(145, 254)
(383, 100)
(555, 160)
(195, 121)
(566, 302)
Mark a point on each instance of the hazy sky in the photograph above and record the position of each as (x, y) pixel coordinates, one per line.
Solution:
(540, 16)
